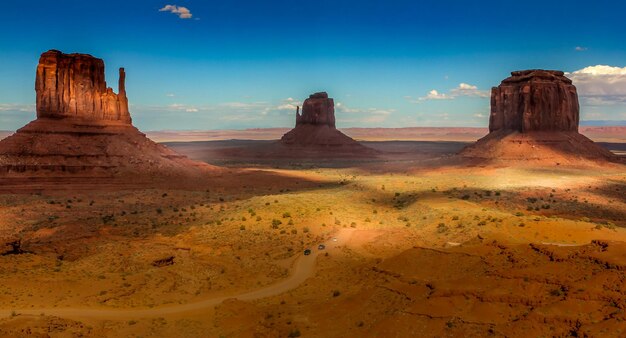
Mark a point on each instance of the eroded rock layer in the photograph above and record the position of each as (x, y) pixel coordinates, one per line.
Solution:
(317, 110)
(534, 100)
(83, 134)
(315, 130)
(534, 118)
(73, 85)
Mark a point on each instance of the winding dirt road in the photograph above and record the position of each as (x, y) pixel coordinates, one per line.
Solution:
(303, 268)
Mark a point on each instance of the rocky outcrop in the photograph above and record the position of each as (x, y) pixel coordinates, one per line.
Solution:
(315, 133)
(73, 86)
(317, 110)
(533, 100)
(83, 135)
(534, 119)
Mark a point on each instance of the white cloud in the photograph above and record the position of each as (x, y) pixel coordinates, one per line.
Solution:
(580, 49)
(464, 89)
(435, 95)
(182, 12)
(600, 85)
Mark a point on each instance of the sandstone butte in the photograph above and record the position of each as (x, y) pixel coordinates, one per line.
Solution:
(534, 118)
(83, 132)
(315, 129)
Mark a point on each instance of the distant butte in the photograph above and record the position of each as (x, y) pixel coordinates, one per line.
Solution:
(315, 129)
(534, 117)
(84, 133)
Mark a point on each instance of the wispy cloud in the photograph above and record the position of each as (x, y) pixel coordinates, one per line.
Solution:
(463, 89)
(14, 107)
(182, 12)
(581, 49)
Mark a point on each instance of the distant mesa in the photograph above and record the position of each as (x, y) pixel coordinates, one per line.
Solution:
(534, 117)
(318, 110)
(84, 133)
(315, 129)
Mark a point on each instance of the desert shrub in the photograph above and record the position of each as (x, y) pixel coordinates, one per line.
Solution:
(258, 218)
(455, 218)
(519, 214)
(465, 197)
(159, 211)
(243, 219)
(294, 333)
(290, 222)
(242, 227)
(276, 223)
(368, 220)
(305, 229)
(286, 215)
(441, 228)
(336, 293)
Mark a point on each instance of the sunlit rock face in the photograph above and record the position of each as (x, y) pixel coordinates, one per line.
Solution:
(83, 135)
(534, 100)
(73, 86)
(318, 109)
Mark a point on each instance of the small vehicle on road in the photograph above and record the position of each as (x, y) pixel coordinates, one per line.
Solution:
(321, 247)
(307, 252)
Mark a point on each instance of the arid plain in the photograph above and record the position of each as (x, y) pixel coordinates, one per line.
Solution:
(415, 244)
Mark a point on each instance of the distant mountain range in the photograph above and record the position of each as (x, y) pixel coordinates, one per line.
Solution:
(603, 123)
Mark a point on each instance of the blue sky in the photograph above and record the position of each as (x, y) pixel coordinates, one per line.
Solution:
(245, 64)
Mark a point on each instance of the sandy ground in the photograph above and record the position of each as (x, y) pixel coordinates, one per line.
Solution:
(422, 250)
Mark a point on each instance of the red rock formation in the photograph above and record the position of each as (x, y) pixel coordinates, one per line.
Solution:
(534, 118)
(83, 134)
(73, 85)
(534, 100)
(318, 109)
(315, 130)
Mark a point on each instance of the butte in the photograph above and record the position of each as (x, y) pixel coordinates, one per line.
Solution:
(83, 134)
(315, 132)
(534, 118)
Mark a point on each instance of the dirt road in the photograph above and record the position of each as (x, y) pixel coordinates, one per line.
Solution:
(303, 268)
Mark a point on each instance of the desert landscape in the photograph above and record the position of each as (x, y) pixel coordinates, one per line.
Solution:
(329, 169)
(410, 232)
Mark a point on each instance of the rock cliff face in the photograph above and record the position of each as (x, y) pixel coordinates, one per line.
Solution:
(533, 100)
(83, 135)
(318, 109)
(73, 86)
(315, 133)
(534, 119)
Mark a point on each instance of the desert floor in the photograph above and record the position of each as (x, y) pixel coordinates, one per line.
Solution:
(414, 247)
